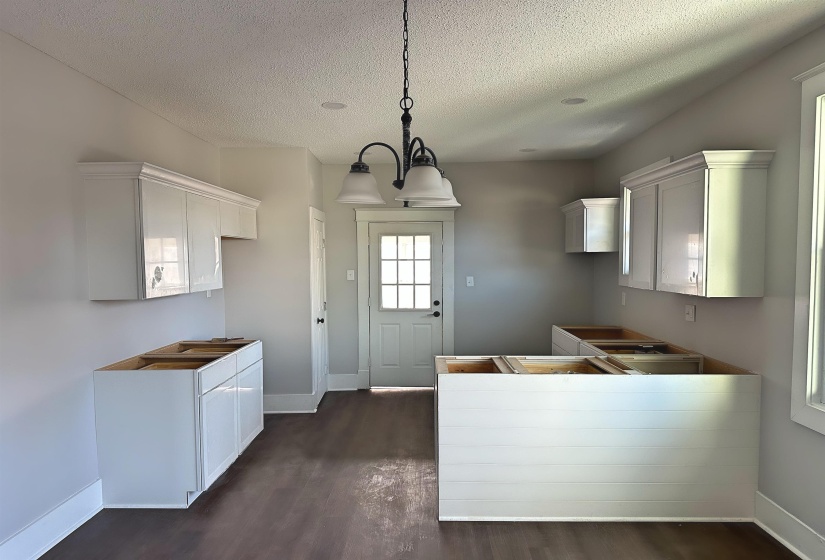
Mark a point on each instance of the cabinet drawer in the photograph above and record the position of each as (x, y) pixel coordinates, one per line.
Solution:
(568, 343)
(248, 355)
(212, 375)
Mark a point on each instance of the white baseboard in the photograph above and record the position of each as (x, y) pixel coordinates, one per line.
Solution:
(345, 382)
(38, 537)
(293, 404)
(787, 529)
(486, 518)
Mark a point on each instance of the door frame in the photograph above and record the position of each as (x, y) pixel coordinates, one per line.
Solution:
(319, 385)
(364, 217)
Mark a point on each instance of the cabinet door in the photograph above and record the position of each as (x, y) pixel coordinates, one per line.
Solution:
(164, 235)
(642, 238)
(230, 219)
(249, 223)
(574, 231)
(681, 239)
(219, 430)
(250, 403)
(204, 222)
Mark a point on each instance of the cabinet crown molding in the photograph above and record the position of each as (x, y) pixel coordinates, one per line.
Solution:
(590, 203)
(709, 159)
(143, 170)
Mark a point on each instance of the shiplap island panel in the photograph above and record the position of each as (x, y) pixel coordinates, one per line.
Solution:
(516, 444)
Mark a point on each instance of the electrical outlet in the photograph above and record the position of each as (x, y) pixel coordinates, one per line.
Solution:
(624, 298)
(471, 282)
(350, 275)
(690, 313)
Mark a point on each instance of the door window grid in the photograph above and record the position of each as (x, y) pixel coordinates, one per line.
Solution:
(406, 272)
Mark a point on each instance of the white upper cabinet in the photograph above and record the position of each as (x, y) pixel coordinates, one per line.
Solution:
(591, 225)
(707, 215)
(151, 232)
(203, 218)
(642, 238)
(238, 221)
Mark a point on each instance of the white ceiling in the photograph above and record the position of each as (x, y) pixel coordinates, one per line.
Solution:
(487, 75)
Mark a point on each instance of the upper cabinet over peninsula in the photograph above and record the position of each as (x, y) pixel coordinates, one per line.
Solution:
(152, 232)
(697, 225)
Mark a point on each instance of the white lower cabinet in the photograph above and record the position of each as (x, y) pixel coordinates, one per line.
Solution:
(250, 404)
(171, 421)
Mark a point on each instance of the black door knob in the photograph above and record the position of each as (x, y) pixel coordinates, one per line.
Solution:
(319, 321)
(437, 314)
(436, 302)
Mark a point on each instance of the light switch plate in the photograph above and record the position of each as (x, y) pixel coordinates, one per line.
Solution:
(624, 298)
(690, 313)
(470, 282)
(208, 293)
(350, 275)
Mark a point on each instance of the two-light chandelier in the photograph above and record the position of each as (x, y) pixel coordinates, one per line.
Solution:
(422, 183)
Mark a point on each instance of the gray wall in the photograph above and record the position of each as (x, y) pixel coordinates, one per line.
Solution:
(760, 109)
(51, 336)
(267, 281)
(509, 237)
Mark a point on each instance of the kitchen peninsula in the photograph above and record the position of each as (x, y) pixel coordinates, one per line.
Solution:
(620, 436)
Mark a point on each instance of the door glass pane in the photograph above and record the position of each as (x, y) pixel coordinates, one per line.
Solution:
(389, 272)
(422, 272)
(405, 272)
(422, 297)
(405, 297)
(405, 246)
(389, 297)
(388, 247)
(422, 247)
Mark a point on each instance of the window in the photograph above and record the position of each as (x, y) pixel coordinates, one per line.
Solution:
(808, 397)
(406, 275)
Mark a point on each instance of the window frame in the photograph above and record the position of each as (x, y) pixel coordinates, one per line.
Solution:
(808, 373)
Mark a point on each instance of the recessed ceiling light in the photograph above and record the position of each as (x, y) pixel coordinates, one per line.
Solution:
(574, 100)
(528, 150)
(334, 105)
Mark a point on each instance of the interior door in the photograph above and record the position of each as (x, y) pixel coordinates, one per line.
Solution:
(405, 303)
(320, 351)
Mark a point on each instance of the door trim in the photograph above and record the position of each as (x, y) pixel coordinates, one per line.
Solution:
(364, 217)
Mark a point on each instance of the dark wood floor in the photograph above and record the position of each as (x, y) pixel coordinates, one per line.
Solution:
(357, 480)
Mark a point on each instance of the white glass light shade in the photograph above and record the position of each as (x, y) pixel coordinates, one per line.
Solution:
(360, 188)
(451, 203)
(423, 182)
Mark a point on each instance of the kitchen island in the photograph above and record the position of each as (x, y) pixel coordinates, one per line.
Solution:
(575, 438)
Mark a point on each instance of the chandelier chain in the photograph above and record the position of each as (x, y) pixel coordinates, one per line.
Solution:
(406, 101)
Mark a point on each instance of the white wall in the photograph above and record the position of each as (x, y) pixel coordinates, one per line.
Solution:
(760, 109)
(51, 336)
(267, 281)
(509, 236)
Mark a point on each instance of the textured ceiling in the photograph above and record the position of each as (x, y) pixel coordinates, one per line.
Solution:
(487, 75)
